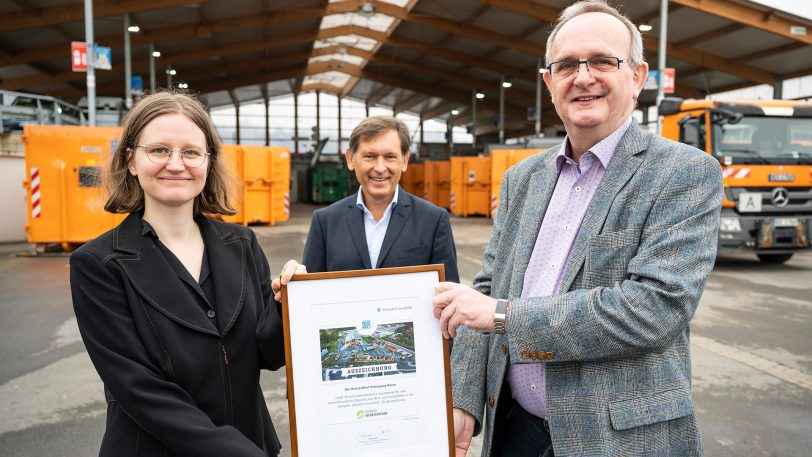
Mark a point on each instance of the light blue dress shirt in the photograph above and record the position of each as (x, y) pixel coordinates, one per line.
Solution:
(375, 230)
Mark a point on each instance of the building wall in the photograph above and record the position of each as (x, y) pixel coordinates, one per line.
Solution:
(12, 204)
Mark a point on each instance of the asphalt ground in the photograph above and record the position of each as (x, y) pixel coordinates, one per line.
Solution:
(751, 340)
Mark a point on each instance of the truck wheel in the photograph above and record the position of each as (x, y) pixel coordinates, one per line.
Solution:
(774, 259)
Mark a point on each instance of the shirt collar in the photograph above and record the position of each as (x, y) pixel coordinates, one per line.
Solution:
(359, 200)
(146, 229)
(603, 150)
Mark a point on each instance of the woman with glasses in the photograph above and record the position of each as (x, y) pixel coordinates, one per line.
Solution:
(175, 308)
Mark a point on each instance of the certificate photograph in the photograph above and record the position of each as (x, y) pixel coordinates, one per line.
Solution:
(367, 366)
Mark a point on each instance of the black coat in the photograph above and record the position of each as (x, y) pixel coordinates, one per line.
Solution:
(174, 384)
(419, 233)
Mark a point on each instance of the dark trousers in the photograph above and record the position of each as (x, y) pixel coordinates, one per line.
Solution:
(525, 435)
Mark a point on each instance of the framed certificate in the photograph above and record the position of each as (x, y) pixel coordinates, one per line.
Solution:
(367, 367)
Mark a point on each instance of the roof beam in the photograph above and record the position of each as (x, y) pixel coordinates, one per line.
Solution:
(732, 67)
(707, 36)
(409, 103)
(449, 26)
(233, 69)
(379, 95)
(322, 86)
(647, 18)
(526, 8)
(443, 107)
(75, 12)
(29, 81)
(214, 80)
(391, 80)
(171, 33)
(350, 84)
(462, 58)
(772, 51)
(339, 49)
(749, 16)
(471, 83)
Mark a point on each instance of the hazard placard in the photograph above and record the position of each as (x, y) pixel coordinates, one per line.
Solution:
(749, 202)
(78, 56)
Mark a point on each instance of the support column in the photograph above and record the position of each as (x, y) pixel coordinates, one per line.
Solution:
(661, 57)
(91, 64)
(267, 121)
(236, 104)
(449, 136)
(296, 123)
(128, 72)
(502, 109)
(152, 67)
(778, 88)
(339, 125)
(421, 131)
(473, 119)
(318, 116)
(539, 69)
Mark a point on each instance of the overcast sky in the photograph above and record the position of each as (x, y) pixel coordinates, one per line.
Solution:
(801, 8)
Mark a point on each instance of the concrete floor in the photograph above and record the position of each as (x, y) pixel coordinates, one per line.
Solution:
(751, 336)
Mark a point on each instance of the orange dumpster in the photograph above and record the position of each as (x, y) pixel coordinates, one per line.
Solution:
(501, 160)
(470, 186)
(65, 200)
(437, 182)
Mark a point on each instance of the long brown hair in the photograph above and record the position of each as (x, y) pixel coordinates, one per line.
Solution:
(126, 194)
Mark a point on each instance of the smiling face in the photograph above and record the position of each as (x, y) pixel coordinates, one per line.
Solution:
(378, 163)
(591, 103)
(172, 184)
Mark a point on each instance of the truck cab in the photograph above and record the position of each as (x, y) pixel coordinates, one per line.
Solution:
(765, 150)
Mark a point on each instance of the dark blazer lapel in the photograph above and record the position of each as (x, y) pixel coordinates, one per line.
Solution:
(227, 261)
(540, 186)
(621, 168)
(400, 214)
(355, 223)
(152, 276)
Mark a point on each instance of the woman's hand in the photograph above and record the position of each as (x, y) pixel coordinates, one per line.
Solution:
(291, 268)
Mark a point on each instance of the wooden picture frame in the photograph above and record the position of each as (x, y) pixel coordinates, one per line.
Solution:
(368, 370)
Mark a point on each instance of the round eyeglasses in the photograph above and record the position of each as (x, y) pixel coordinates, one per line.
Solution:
(159, 153)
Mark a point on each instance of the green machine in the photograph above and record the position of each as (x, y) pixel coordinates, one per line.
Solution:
(328, 177)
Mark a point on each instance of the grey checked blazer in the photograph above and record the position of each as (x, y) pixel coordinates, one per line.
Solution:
(616, 344)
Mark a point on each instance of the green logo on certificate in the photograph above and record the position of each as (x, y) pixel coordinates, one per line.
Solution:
(360, 414)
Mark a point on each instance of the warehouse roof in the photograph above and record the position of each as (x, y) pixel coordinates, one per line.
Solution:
(422, 56)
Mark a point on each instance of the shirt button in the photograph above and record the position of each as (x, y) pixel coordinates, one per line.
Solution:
(566, 227)
(552, 266)
(577, 188)
(532, 387)
(210, 313)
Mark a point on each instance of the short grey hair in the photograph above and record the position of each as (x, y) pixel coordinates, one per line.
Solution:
(598, 6)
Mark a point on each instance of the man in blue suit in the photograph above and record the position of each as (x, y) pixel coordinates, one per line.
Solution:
(574, 339)
(382, 225)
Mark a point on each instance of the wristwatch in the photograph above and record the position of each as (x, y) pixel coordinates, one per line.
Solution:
(500, 316)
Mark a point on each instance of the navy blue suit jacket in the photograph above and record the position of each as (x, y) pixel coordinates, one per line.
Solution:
(419, 233)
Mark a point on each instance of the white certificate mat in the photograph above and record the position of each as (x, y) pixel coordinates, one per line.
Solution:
(368, 369)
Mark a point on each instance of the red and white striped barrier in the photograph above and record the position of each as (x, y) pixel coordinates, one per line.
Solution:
(452, 201)
(287, 203)
(494, 204)
(36, 209)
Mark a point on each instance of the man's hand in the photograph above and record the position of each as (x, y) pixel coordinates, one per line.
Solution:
(291, 268)
(463, 431)
(455, 305)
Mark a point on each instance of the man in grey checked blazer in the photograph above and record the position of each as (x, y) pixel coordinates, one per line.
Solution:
(577, 341)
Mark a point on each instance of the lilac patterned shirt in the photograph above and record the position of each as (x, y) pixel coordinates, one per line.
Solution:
(573, 192)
